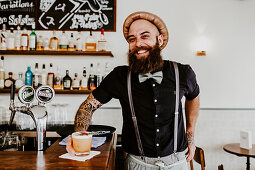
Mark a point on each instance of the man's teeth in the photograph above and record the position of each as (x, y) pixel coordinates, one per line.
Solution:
(142, 51)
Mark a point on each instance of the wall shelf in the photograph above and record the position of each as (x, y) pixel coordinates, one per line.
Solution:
(56, 91)
(48, 52)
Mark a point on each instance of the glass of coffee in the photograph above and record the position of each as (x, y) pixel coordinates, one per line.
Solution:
(82, 142)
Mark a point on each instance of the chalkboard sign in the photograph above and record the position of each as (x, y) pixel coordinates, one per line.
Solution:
(13, 12)
(60, 14)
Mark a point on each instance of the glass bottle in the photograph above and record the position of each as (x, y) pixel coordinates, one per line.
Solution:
(63, 42)
(50, 76)
(71, 44)
(24, 39)
(58, 84)
(29, 77)
(19, 82)
(18, 37)
(67, 81)
(106, 70)
(32, 38)
(43, 76)
(91, 81)
(84, 80)
(102, 42)
(39, 44)
(36, 77)
(76, 82)
(98, 75)
(79, 41)
(11, 40)
(2, 72)
(91, 43)
(3, 38)
(54, 42)
(9, 81)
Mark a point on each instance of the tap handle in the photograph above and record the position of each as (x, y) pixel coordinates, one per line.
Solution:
(12, 95)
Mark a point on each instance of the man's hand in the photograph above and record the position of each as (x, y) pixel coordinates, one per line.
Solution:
(191, 152)
(69, 146)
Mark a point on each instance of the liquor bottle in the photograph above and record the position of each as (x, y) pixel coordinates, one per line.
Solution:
(32, 38)
(84, 80)
(9, 81)
(39, 44)
(29, 77)
(24, 39)
(79, 41)
(91, 43)
(43, 76)
(58, 84)
(63, 42)
(91, 81)
(18, 37)
(11, 40)
(50, 76)
(3, 38)
(71, 44)
(19, 82)
(67, 81)
(76, 82)
(54, 42)
(2, 72)
(106, 70)
(98, 75)
(36, 77)
(102, 42)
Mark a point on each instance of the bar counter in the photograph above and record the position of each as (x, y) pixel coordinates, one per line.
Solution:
(49, 159)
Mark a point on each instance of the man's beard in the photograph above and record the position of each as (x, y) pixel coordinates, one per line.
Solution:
(145, 65)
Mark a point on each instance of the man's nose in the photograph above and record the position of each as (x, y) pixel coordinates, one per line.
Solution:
(139, 42)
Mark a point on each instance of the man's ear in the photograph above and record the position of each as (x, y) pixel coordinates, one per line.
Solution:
(160, 40)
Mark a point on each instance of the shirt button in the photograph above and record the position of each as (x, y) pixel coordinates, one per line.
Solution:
(158, 157)
(153, 85)
(157, 144)
(156, 115)
(155, 100)
(157, 130)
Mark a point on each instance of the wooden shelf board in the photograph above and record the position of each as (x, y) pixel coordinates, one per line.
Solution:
(56, 91)
(44, 52)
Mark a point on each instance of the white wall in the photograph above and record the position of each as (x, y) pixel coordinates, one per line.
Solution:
(224, 28)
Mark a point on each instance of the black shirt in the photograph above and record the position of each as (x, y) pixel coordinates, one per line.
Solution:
(154, 107)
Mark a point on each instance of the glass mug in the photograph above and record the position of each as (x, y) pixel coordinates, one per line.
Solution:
(82, 142)
(11, 142)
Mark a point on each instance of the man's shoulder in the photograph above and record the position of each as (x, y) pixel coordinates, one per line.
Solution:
(181, 66)
(121, 68)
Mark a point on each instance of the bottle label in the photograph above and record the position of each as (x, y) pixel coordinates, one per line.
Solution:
(8, 83)
(50, 80)
(61, 46)
(54, 44)
(11, 43)
(67, 84)
(24, 41)
(1, 83)
(32, 42)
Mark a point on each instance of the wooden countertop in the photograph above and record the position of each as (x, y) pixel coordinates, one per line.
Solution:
(49, 159)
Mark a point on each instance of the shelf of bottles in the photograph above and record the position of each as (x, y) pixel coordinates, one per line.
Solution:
(57, 91)
(48, 52)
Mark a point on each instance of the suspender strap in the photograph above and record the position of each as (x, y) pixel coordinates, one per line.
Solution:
(140, 147)
(176, 114)
(176, 110)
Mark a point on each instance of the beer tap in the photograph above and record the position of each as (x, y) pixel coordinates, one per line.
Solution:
(44, 94)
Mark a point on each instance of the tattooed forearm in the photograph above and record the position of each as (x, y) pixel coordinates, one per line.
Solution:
(84, 113)
(190, 137)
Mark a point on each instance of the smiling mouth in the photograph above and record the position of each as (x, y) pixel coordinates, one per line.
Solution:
(142, 51)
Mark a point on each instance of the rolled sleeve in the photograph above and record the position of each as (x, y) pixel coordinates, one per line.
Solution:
(191, 84)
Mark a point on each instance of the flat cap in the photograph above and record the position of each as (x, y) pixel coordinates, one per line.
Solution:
(154, 19)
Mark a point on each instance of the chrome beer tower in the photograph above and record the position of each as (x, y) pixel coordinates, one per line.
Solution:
(44, 94)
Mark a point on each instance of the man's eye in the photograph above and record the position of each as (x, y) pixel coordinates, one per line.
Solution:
(131, 40)
(145, 36)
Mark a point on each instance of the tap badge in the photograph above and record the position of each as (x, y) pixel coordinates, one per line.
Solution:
(44, 94)
(26, 94)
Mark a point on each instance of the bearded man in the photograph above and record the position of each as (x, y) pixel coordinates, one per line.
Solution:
(150, 90)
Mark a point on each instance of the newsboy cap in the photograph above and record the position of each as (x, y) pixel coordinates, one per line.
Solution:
(154, 19)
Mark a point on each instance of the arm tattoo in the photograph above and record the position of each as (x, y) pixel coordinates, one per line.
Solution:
(190, 137)
(84, 113)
